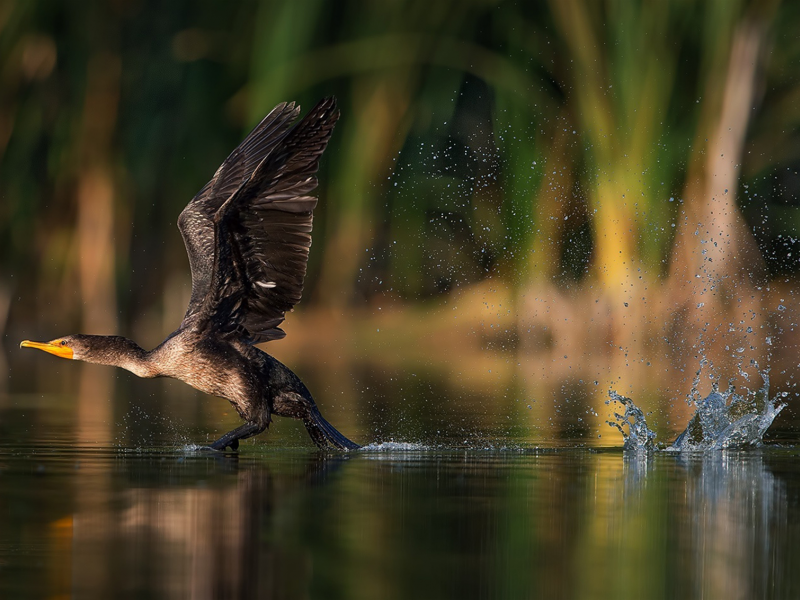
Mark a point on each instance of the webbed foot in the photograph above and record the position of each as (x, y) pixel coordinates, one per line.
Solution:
(221, 445)
(231, 439)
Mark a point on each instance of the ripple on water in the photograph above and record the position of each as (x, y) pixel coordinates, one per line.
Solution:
(395, 447)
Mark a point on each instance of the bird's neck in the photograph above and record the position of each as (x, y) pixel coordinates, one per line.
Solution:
(117, 351)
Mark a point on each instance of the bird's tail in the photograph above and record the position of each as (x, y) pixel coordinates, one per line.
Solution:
(324, 434)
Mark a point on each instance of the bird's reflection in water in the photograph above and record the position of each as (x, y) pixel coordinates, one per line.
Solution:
(200, 528)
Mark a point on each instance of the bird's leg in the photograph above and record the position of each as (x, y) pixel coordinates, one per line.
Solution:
(232, 437)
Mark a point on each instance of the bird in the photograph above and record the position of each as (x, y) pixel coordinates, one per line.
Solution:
(247, 234)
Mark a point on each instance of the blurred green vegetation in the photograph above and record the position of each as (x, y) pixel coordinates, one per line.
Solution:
(534, 143)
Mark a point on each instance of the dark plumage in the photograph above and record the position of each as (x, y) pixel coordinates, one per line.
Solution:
(247, 234)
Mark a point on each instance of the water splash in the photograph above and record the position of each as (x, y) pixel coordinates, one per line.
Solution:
(729, 420)
(639, 437)
(722, 420)
(394, 447)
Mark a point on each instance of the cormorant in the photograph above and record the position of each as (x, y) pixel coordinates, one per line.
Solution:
(247, 234)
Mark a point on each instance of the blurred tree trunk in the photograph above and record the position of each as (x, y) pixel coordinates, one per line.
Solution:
(552, 206)
(714, 250)
(614, 223)
(5, 303)
(283, 32)
(620, 73)
(95, 196)
(716, 265)
(95, 239)
(379, 109)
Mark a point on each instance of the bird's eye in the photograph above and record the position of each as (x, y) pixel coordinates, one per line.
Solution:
(63, 342)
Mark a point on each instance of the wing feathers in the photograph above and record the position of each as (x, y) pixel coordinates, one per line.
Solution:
(248, 231)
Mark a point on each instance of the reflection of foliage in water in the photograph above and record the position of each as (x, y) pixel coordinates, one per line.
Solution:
(739, 507)
(736, 504)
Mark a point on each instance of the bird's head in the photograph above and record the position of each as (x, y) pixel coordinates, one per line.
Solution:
(69, 346)
(111, 350)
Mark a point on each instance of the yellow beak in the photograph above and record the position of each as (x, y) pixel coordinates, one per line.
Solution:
(54, 347)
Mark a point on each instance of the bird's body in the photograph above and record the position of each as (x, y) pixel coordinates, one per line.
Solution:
(247, 234)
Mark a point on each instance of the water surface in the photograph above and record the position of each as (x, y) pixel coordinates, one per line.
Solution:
(113, 519)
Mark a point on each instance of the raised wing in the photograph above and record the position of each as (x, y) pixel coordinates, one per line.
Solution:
(196, 222)
(263, 233)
